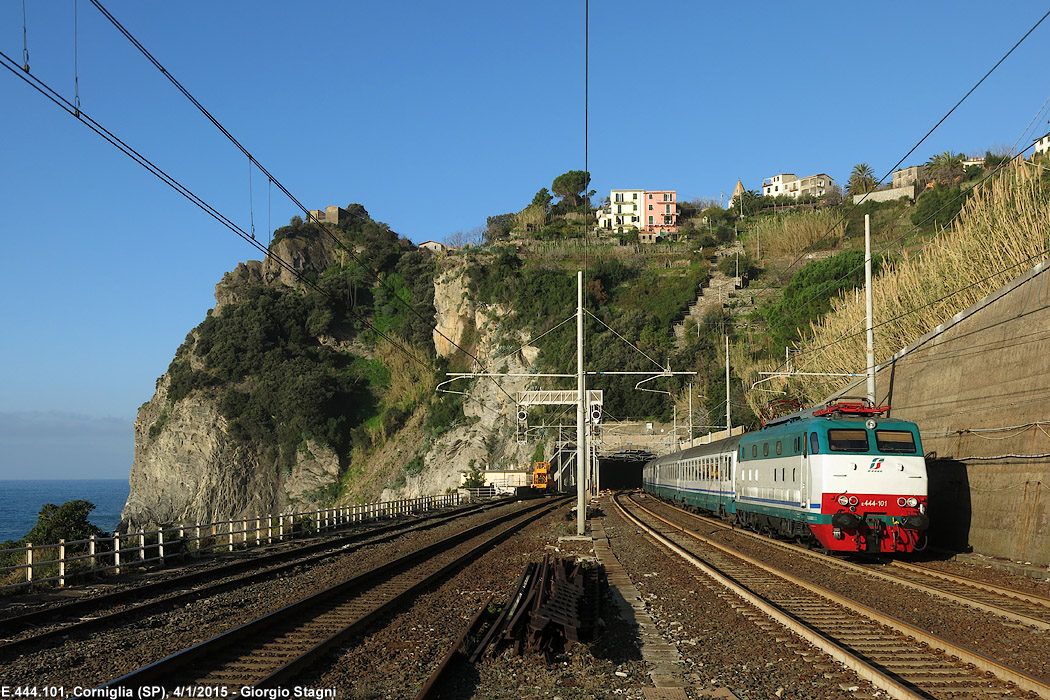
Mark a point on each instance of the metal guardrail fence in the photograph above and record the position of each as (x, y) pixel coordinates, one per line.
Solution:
(55, 563)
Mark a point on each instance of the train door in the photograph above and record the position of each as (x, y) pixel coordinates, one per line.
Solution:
(725, 483)
(803, 479)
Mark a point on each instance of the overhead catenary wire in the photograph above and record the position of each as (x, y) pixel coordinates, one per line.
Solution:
(76, 59)
(25, 39)
(349, 250)
(48, 92)
(899, 239)
(910, 151)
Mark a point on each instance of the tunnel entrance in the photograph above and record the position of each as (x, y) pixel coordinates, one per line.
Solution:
(622, 470)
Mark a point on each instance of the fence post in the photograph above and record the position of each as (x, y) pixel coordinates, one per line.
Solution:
(91, 553)
(142, 545)
(197, 537)
(116, 553)
(280, 527)
(229, 532)
(29, 564)
(160, 545)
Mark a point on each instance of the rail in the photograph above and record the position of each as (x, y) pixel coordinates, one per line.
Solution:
(56, 563)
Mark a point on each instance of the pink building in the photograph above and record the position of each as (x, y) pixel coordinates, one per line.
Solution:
(660, 212)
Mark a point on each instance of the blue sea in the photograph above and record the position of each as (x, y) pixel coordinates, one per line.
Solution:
(20, 501)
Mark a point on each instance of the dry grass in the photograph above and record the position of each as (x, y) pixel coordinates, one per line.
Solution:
(790, 235)
(1002, 231)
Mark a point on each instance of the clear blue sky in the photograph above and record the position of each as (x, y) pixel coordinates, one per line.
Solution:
(431, 115)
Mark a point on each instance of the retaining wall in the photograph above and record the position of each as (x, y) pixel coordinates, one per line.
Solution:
(979, 388)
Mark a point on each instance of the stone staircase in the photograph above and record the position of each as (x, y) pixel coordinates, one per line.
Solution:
(713, 295)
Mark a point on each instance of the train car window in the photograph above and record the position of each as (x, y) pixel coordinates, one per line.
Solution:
(765, 449)
(848, 440)
(780, 449)
(895, 441)
(814, 444)
(754, 450)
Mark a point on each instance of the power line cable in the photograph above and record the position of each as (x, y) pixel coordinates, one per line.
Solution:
(186, 93)
(910, 151)
(800, 305)
(162, 175)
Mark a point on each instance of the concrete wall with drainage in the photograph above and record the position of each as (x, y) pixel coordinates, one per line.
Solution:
(979, 388)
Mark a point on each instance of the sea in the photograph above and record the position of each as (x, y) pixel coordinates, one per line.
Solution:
(21, 501)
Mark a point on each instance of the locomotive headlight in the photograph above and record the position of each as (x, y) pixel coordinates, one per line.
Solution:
(913, 501)
(853, 500)
(843, 500)
(902, 501)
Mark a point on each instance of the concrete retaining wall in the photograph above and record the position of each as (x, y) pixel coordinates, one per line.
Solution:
(979, 389)
(886, 195)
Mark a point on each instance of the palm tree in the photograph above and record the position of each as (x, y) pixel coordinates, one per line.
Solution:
(862, 179)
(946, 167)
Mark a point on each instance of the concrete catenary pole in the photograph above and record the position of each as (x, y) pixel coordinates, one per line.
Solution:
(729, 418)
(581, 415)
(868, 304)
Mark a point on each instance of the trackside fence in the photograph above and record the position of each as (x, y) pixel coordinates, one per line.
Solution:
(21, 568)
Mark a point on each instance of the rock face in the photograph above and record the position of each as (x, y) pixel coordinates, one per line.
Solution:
(188, 470)
(488, 442)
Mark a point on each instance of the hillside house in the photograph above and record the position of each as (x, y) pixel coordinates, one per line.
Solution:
(1042, 146)
(904, 177)
(787, 184)
(648, 212)
(433, 246)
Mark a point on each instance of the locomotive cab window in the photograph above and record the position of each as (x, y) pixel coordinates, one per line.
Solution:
(765, 449)
(848, 440)
(754, 450)
(895, 441)
(780, 448)
(814, 444)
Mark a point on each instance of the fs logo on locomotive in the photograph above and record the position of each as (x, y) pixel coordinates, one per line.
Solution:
(876, 464)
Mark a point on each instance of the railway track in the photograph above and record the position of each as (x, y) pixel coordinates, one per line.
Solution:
(899, 658)
(56, 623)
(1017, 606)
(273, 649)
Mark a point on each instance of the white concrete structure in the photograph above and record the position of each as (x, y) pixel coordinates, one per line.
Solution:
(1042, 145)
(623, 212)
(787, 184)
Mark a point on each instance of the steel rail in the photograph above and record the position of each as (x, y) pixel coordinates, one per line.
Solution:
(243, 651)
(190, 583)
(431, 689)
(888, 679)
(993, 599)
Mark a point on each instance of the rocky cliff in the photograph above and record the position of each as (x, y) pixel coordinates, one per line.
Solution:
(189, 467)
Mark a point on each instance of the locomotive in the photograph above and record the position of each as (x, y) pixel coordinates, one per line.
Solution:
(840, 475)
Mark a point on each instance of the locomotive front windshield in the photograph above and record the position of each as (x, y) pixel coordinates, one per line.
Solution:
(848, 440)
(857, 440)
(895, 441)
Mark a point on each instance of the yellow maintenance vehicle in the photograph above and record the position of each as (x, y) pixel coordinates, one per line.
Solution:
(541, 476)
